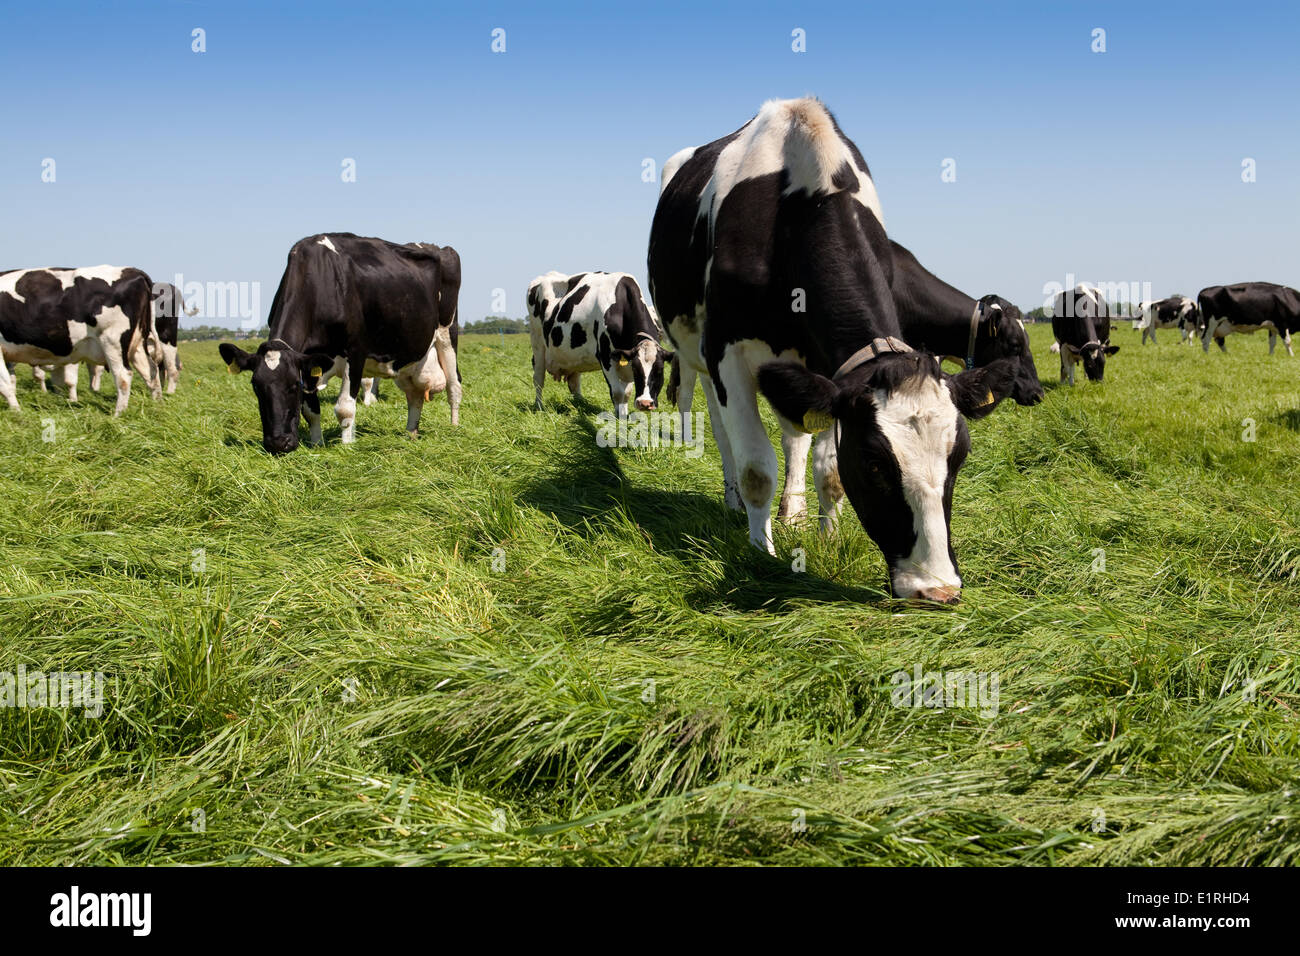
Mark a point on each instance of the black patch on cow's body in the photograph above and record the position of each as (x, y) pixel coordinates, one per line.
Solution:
(557, 336)
(576, 294)
(578, 336)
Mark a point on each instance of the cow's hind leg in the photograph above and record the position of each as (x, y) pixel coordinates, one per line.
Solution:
(148, 368)
(38, 375)
(171, 367)
(71, 373)
(575, 385)
(368, 391)
(795, 444)
(96, 376)
(446, 354)
(7, 387)
(685, 396)
(539, 362)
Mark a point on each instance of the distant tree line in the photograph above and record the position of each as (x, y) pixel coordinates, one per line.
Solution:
(495, 324)
(206, 333)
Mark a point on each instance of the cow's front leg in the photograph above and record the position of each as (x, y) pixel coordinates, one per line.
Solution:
(795, 444)
(346, 406)
(618, 391)
(7, 387)
(1223, 346)
(539, 361)
(1066, 366)
(1272, 340)
(730, 486)
(38, 375)
(116, 366)
(70, 376)
(311, 412)
(826, 478)
(414, 408)
(96, 377)
(685, 396)
(755, 458)
(446, 353)
(574, 380)
(367, 391)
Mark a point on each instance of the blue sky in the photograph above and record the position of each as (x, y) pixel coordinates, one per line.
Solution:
(1115, 166)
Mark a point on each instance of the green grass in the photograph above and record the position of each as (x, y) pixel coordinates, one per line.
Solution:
(347, 680)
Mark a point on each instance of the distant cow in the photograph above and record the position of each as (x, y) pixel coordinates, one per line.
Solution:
(1081, 324)
(770, 266)
(1175, 312)
(596, 321)
(100, 315)
(349, 306)
(1249, 307)
(168, 306)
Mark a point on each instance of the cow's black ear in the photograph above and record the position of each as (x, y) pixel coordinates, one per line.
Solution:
(315, 364)
(1112, 349)
(798, 395)
(236, 359)
(977, 392)
(669, 356)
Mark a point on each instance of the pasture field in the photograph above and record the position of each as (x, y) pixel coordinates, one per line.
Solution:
(313, 659)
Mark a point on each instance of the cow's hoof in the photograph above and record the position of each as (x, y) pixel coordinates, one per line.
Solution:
(413, 433)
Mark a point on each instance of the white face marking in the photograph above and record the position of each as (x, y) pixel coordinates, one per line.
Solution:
(919, 420)
(325, 241)
(272, 359)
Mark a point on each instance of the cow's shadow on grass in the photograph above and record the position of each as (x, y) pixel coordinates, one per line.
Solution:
(586, 486)
(1290, 419)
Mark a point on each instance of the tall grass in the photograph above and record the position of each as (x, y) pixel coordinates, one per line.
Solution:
(506, 644)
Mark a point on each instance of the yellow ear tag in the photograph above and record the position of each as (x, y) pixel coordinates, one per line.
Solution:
(232, 368)
(988, 400)
(622, 363)
(816, 421)
(316, 372)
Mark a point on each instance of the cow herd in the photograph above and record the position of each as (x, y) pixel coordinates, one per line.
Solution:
(770, 273)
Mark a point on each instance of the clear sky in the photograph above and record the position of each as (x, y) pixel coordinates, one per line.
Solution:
(1117, 166)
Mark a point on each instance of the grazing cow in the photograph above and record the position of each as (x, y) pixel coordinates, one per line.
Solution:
(1248, 307)
(168, 306)
(939, 318)
(101, 315)
(348, 306)
(596, 321)
(1081, 324)
(1175, 312)
(770, 265)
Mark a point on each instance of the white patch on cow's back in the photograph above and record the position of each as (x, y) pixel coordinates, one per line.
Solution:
(799, 137)
(67, 277)
(9, 283)
(919, 420)
(272, 359)
(325, 241)
(672, 164)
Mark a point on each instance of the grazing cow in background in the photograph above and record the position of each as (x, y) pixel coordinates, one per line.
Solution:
(101, 315)
(1248, 307)
(1081, 324)
(770, 265)
(168, 306)
(939, 318)
(596, 321)
(349, 305)
(1175, 312)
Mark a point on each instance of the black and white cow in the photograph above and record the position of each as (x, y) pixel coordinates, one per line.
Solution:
(596, 321)
(938, 318)
(1081, 324)
(770, 265)
(101, 315)
(1175, 312)
(168, 306)
(349, 306)
(1248, 307)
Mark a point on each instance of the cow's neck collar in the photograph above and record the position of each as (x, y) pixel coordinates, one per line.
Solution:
(281, 341)
(868, 352)
(975, 315)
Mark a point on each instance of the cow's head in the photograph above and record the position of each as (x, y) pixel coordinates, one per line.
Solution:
(901, 437)
(643, 365)
(1002, 336)
(280, 376)
(1093, 355)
